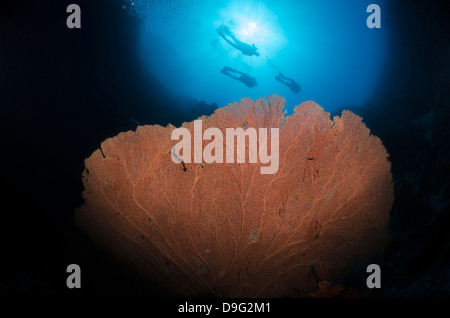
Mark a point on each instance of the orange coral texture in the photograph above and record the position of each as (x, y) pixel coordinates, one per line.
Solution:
(227, 229)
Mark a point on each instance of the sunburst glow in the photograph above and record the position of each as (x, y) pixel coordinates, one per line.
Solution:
(251, 22)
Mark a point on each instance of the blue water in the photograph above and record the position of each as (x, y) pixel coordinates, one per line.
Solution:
(325, 46)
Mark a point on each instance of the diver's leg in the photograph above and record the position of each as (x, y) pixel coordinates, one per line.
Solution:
(232, 70)
(226, 29)
(231, 43)
(286, 78)
(228, 71)
(238, 43)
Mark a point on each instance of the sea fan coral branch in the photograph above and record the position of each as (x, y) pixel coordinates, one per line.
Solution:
(228, 230)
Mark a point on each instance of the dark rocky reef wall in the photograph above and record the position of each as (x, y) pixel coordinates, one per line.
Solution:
(62, 92)
(409, 111)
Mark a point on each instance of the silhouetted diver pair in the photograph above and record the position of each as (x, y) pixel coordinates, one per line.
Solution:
(228, 36)
(250, 81)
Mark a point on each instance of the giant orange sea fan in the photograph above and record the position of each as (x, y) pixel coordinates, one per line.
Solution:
(227, 229)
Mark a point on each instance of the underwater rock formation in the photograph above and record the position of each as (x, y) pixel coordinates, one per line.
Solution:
(226, 229)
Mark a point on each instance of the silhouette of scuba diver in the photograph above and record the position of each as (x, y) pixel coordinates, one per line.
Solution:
(245, 48)
(293, 85)
(244, 78)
